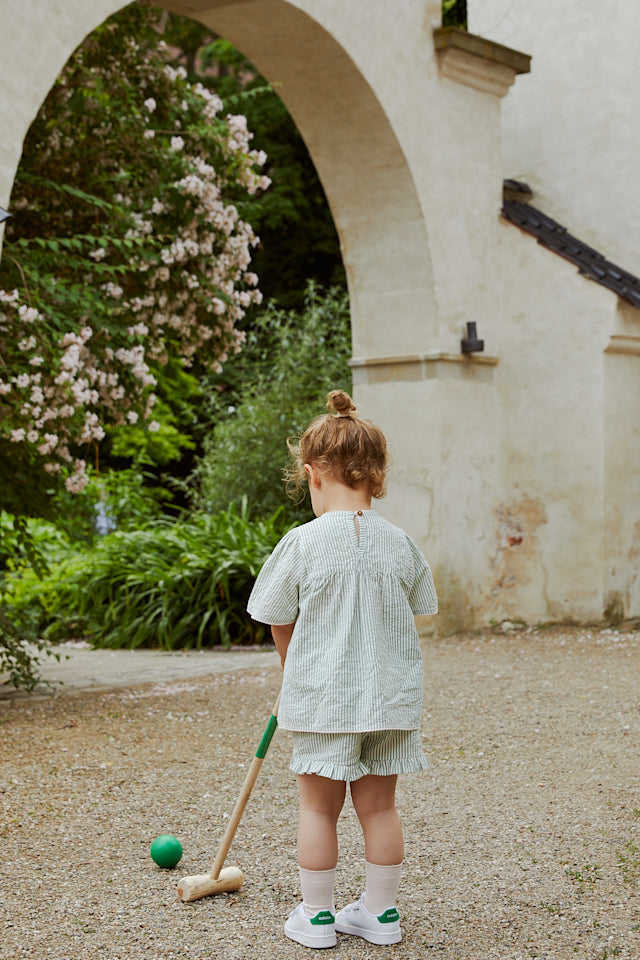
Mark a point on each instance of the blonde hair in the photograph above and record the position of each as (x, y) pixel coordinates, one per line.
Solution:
(339, 443)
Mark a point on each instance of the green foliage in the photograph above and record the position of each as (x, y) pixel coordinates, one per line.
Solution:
(454, 13)
(21, 649)
(291, 361)
(20, 656)
(170, 584)
(178, 395)
(123, 499)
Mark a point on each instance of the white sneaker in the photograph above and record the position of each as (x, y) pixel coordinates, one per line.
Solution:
(318, 931)
(356, 920)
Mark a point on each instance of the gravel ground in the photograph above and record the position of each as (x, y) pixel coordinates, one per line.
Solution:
(523, 840)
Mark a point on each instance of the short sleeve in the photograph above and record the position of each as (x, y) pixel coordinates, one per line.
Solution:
(274, 598)
(422, 592)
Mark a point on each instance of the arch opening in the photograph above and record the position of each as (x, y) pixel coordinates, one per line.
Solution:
(351, 141)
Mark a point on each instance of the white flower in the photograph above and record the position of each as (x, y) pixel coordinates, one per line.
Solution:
(138, 330)
(12, 297)
(79, 479)
(113, 290)
(177, 143)
(149, 134)
(132, 416)
(154, 426)
(28, 314)
(150, 104)
(51, 440)
(23, 380)
(17, 436)
(98, 254)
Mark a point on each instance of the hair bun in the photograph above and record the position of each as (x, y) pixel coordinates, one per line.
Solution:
(340, 402)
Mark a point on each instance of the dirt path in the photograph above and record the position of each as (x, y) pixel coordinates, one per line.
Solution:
(522, 841)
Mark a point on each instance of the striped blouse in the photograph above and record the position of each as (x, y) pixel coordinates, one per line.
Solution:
(354, 662)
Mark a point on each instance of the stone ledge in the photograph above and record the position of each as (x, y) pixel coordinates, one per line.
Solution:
(630, 346)
(477, 62)
(426, 366)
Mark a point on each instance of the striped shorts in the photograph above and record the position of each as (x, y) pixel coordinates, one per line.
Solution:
(349, 756)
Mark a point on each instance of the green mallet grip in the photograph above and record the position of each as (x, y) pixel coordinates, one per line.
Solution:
(267, 737)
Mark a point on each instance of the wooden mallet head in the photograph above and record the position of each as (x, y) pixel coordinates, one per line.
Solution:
(204, 885)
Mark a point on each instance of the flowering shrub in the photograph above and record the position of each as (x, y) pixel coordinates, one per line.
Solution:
(126, 249)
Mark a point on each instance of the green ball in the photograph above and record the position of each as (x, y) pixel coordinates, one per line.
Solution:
(166, 851)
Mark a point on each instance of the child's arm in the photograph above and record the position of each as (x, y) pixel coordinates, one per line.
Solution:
(281, 636)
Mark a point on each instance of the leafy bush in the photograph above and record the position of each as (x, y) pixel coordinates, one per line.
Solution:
(291, 361)
(34, 544)
(172, 584)
(19, 659)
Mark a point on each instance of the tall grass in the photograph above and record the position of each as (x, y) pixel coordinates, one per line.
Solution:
(170, 585)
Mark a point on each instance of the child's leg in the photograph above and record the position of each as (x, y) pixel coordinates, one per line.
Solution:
(321, 801)
(374, 801)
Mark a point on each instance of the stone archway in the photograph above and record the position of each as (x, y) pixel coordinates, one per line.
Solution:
(405, 135)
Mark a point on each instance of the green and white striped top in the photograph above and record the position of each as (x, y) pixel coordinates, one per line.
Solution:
(354, 662)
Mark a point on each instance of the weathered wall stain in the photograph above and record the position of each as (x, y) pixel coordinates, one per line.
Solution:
(516, 563)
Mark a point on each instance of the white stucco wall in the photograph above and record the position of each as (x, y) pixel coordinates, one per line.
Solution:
(570, 126)
(622, 466)
(556, 325)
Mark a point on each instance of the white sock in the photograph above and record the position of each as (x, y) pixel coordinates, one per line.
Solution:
(381, 888)
(317, 890)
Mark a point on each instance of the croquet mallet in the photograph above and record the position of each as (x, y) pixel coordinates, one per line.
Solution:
(219, 880)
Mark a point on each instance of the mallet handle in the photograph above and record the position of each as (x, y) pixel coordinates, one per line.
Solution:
(252, 776)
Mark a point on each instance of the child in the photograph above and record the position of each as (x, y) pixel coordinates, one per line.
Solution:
(340, 594)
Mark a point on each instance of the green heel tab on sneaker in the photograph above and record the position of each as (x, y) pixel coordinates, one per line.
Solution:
(323, 918)
(389, 916)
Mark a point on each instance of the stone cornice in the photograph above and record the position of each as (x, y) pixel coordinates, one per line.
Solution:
(629, 346)
(425, 366)
(477, 62)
